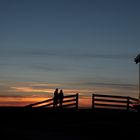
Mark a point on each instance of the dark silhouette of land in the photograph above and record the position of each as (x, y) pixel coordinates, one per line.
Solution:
(65, 124)
(36, 121)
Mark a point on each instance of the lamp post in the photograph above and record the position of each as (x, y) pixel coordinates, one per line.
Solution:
(137, 60)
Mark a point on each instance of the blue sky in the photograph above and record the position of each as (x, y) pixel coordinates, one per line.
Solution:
(79, 45)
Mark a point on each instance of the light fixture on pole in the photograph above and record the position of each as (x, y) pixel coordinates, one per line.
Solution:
(137, 60)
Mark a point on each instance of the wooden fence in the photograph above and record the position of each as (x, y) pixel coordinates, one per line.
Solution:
(113, 102)
(69, 101)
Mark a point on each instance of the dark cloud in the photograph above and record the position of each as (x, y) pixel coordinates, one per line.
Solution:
(50, 68)
(5, 89)
(12, 96)
(109, 56)
(113, 85)
(61, 53)
(24, 52)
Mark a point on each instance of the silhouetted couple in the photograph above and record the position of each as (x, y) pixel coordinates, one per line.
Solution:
(58, 98)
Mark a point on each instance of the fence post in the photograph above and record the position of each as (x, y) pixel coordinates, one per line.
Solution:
(76, 100)
(128, 103)
(92, 101)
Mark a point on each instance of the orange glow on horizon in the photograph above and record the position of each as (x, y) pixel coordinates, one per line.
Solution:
(20, 94)
(22, 101)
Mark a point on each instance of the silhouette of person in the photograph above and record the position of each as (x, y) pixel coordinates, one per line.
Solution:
(61, 95)
(55, 99)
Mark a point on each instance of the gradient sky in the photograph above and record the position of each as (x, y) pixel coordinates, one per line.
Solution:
(84, 46)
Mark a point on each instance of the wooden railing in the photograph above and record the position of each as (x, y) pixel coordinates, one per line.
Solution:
(47, 102)
(69, 101)
(113, 102)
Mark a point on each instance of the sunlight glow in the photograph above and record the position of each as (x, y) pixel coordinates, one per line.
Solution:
(28, 89)
(20, 94)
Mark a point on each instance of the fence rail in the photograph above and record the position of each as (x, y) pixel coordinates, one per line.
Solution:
(113, 102)
(70, 101)
(37, 104)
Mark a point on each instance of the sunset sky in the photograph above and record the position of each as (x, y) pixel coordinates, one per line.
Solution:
(84, 46)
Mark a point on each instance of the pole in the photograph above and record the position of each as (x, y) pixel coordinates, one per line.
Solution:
(92, 101)
(127, 103)
(76, 100)
(137, 60)
(139, 81)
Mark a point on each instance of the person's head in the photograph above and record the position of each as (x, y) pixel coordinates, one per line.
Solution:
(61, 91)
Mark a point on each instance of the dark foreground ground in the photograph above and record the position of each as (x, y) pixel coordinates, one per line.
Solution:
(42, 124)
